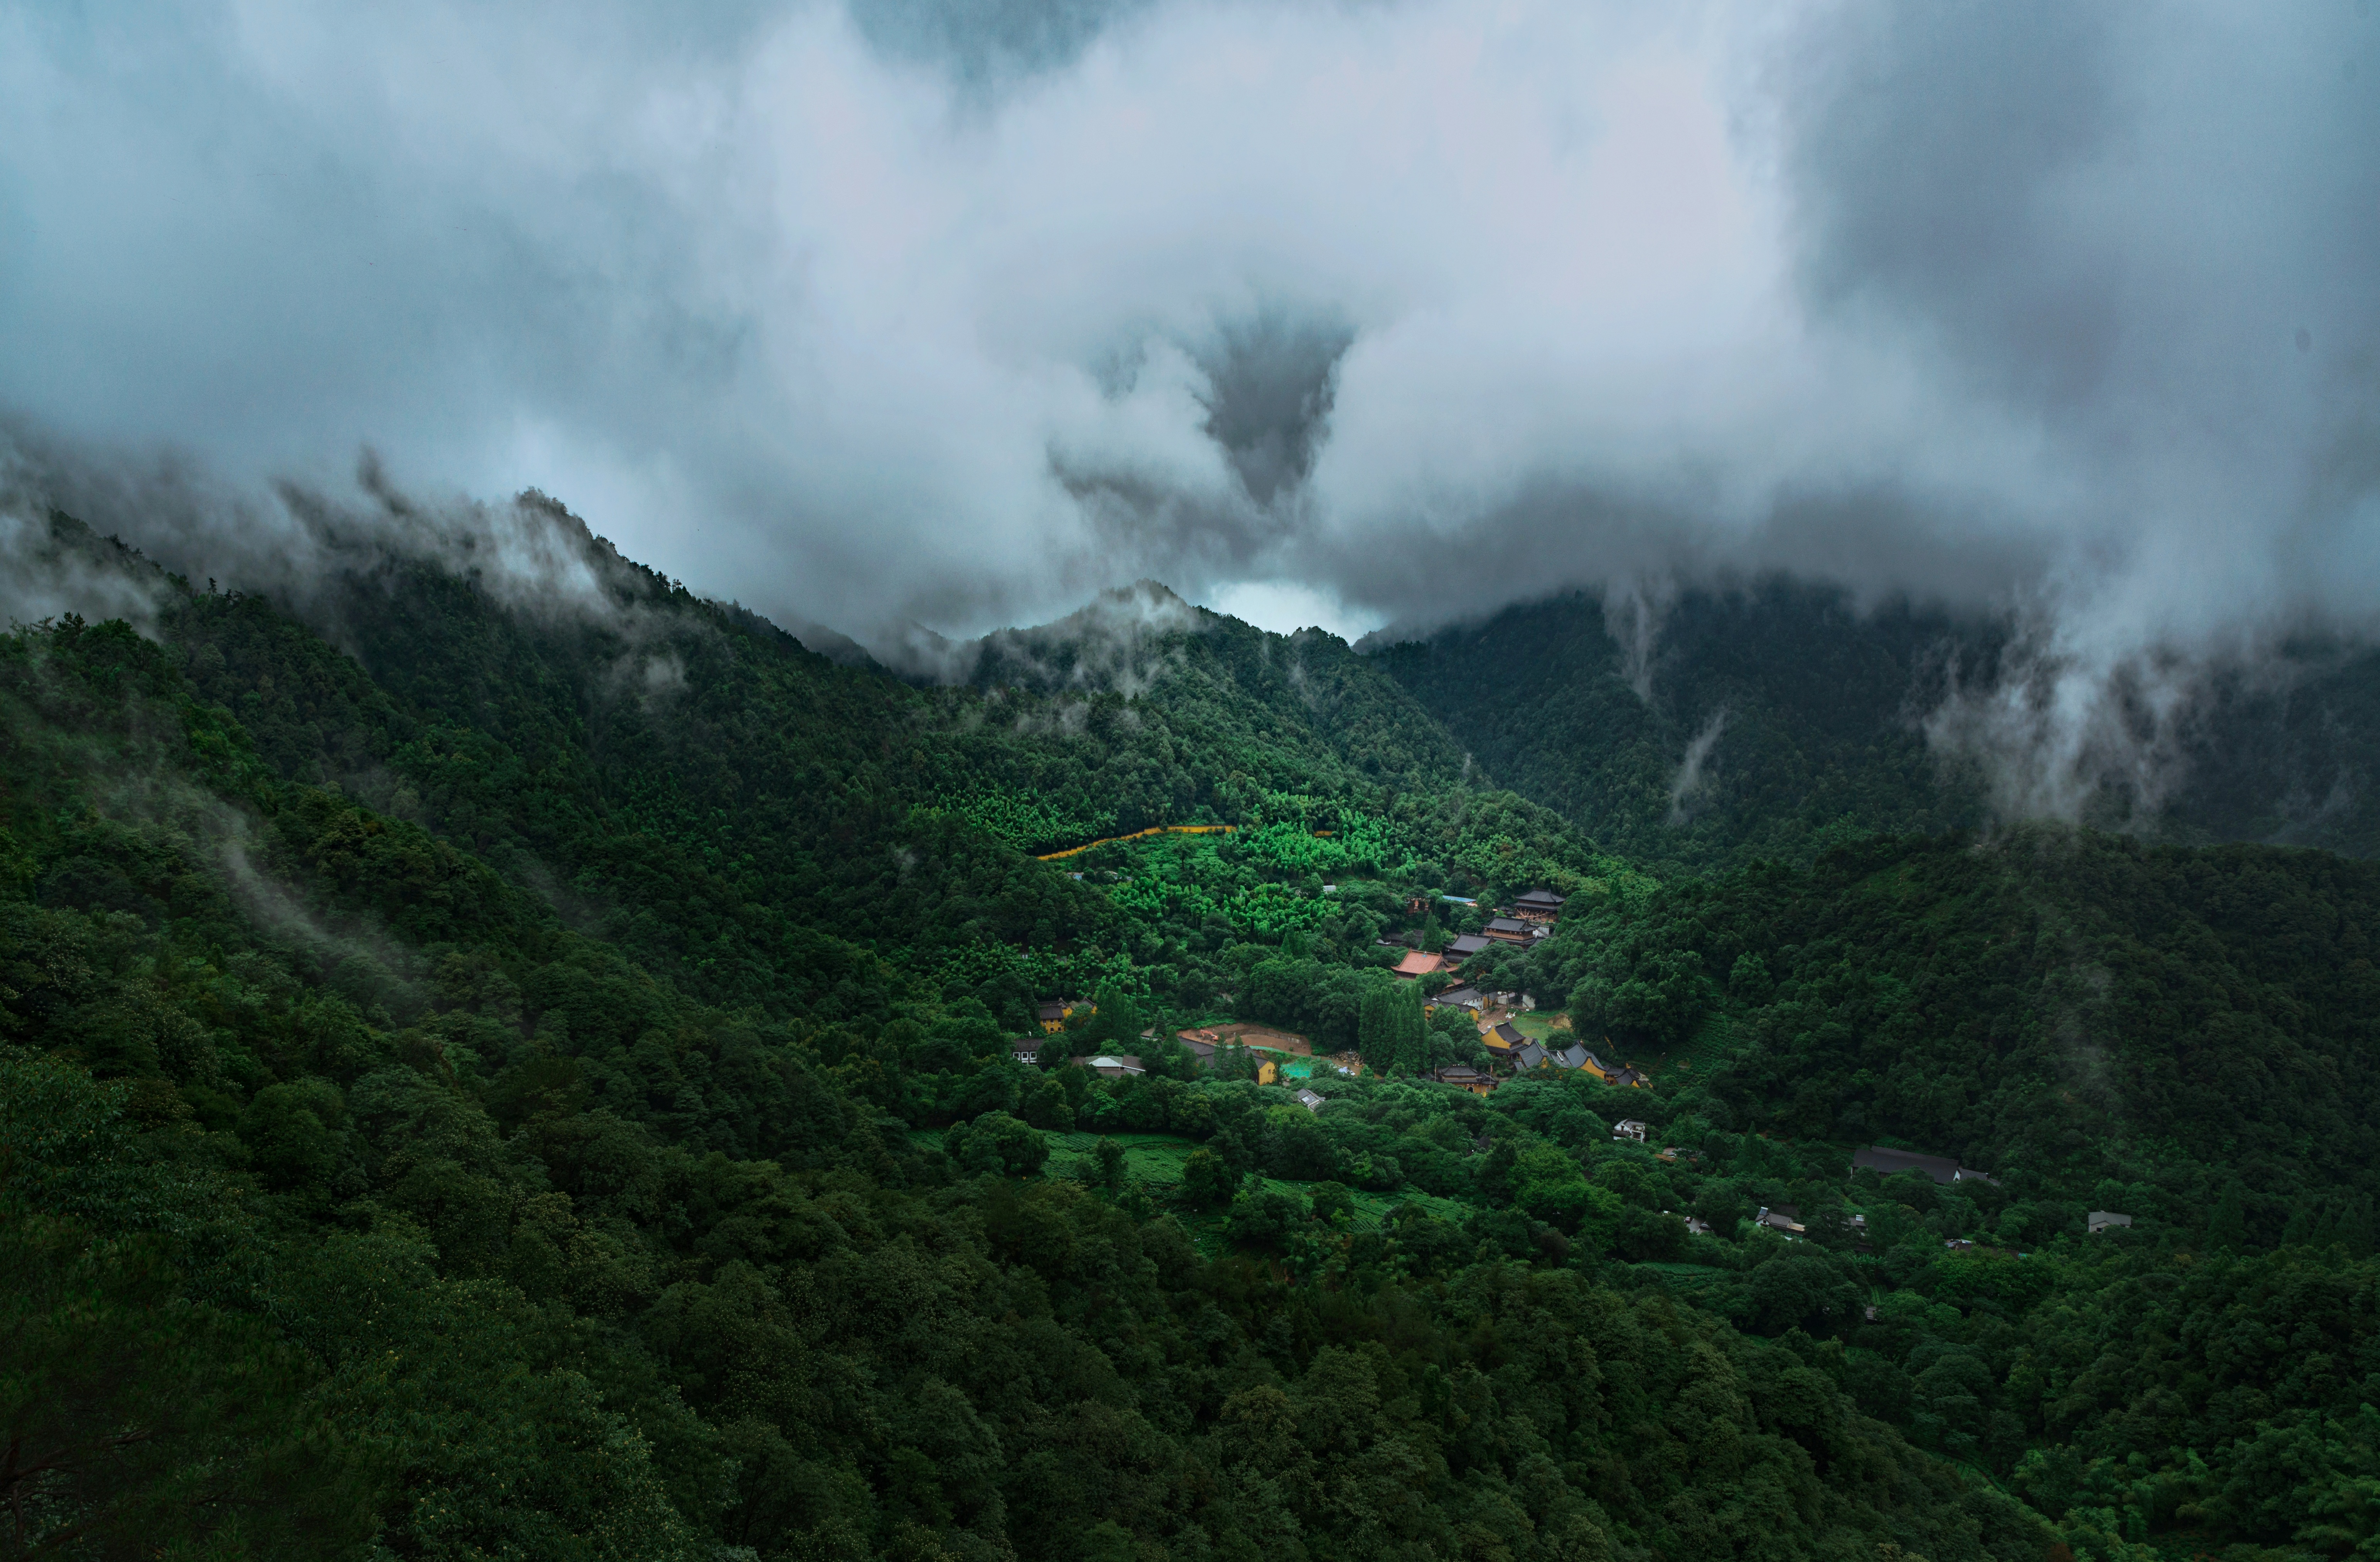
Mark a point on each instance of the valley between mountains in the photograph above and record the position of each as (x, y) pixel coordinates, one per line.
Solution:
(498, 1073)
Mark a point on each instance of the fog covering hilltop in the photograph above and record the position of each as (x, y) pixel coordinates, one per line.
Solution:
(1686, 725)
(1703, 726)
(507, 640)
(2067, 310)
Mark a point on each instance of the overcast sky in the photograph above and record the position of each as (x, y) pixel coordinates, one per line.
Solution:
(1380, 309)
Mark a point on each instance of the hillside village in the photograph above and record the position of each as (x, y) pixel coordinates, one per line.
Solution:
(1514, 1039)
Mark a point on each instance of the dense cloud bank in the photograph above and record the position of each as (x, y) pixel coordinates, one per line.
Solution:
(914, 313)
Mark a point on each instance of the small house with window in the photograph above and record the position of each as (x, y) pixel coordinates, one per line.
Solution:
(1053, 1013)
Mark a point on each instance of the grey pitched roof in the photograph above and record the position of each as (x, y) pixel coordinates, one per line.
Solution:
(1459, 998)
(1468, 944)
(1529, 1057)
(1539, 897)
(1942, 1168)
(1507, 924)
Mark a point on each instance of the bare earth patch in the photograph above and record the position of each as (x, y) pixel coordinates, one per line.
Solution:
(1253, 1035)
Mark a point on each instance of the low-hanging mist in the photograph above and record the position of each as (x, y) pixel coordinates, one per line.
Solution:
(896, 315)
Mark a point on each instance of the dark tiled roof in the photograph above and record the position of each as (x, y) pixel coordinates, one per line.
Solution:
(1942, 1168)
(1468, 944)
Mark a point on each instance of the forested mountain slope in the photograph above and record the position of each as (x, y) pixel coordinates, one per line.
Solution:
(537, 1074)
(360, 1200)
(697, 786)
(1233, 686)
(1137, 710)
(1805, 712)
(2168, 1029)
(1774, 720)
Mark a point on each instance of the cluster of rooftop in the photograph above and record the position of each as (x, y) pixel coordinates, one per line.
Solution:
(1529, 917)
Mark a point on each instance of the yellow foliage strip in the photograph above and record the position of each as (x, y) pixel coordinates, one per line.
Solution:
(1140, 834)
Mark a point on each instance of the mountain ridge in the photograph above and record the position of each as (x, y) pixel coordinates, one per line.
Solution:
(1778, 716)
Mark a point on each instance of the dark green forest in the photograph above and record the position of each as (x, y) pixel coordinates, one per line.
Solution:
(555, 1075)
(1811, 711)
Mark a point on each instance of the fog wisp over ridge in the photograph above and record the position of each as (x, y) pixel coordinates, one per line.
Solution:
(905, 314)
